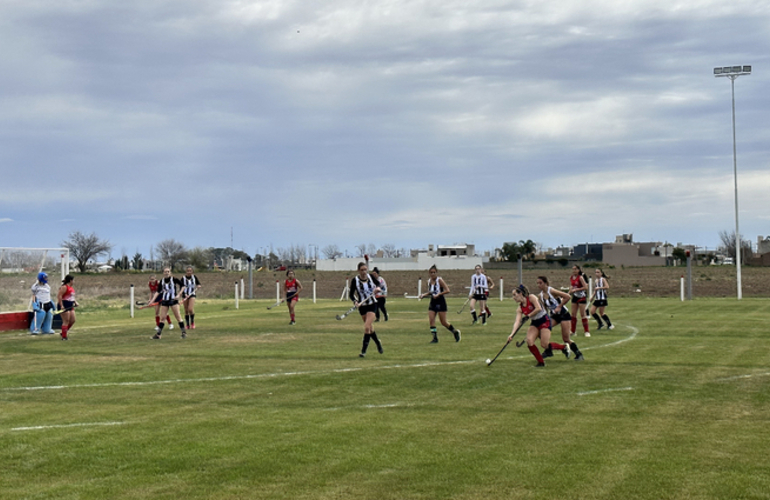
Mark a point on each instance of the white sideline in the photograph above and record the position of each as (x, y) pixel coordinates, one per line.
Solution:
(634, 332)
(738, 377)
(64, 426)
(586, 393)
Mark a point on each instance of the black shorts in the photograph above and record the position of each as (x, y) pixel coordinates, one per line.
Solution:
(169, 303)
(564, 315)
(542, 323)
(438, 305)
(600, 303)
(67, 304)
(480, 296)
(579, 300)
(368, 308)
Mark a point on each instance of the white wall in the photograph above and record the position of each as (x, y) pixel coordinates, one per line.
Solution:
(423, 261)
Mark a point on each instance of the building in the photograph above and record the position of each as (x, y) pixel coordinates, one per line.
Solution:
(626, 252)
(442, 256)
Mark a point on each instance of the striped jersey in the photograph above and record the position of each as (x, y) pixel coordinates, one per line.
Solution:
(167, 288)
(364, 288)
(479, 283)
(189, 284)
(550, 302)
(601, 293)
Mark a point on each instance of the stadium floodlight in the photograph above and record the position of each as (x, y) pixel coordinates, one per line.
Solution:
(733, 72)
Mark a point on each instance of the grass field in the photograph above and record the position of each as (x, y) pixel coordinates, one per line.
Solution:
(671, 404)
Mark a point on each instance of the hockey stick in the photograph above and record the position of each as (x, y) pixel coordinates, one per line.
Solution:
(276, 304)
(418, 297)
(490, 361)
(521, 342)
(464, 304)
(66, 309)
(363, 302)
(145, 305)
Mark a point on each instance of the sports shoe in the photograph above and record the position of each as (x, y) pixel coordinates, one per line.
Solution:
(379, 349)
(35, 332)
(362, 355)
(611, 327)
(184, 334)
(291, 322)
(548, 353)
(377, 320)
(171, 326)
(489, 315)
(65, 338)
(475, 321)
(457, 335)
(155, 337)
(434, 341)
(588, 334)
(192, 326)
(540, 365)
(599, 327)
(579, 357)
(566, 351)
(386, 317)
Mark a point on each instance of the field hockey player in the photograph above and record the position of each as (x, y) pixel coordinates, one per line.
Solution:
(190, 285)
(555, 301)
(600, 300)
(381, 296)
(437, 289)
(577, 288)
(65, 300)
(291, 287)
(362, 293)
(540, 324)
(168, 290)
(155, 299)
(478, 294)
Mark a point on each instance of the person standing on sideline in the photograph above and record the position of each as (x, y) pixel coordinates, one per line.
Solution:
(478, 294)
(291, 287)
(66, 300)
(577, 288)
(168, 293)
(381, 295)
(600, 300)
(153, 285)
(540, 325)
(437, 289)
(363, 290)
(42, 306)
(555, 301)
(190, 285)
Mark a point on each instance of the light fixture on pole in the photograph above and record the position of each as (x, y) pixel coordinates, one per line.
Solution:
(733, 72)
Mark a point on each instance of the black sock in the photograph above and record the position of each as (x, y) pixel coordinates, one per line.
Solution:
(574, 348)
(596, 317)
(373, 336)
(181, 326)
(607, 319)
(451, 328)
(434, 332)
(365, 344)
(473, 313)
(187, 319)
(483, 317)
(160, 326)
(192, 319)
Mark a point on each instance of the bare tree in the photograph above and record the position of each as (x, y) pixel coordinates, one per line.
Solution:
(728, 245)
(85, 247)
(361, 250)
(171, 252)
(331, 251)
(388, 250)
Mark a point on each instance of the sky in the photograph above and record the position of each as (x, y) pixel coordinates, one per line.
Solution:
(415, 122)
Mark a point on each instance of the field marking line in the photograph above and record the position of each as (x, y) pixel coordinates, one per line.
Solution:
(634, 332)
(738, 377)
(586, 393)
(65, 426)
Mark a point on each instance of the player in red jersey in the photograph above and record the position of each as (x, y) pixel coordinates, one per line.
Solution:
(578, 289)
(291, 287)
(540, 325)
(66, 300)
(153, 285)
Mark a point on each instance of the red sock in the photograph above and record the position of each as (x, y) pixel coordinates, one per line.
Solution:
(585, 325)
(574, 323)
(157, 320)
(168, 319)
(554, 345)
(292, 317)
(64, 329)
(536, 353)
(487, 311)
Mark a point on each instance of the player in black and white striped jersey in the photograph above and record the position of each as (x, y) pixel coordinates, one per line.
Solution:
(437, 289)
(363, 290)
(190, 285)
(381, 296)
(555, 301)
(478, 294)
(600, 300)
(168, 293)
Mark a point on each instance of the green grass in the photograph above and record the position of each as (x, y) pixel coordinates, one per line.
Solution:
(671, 404)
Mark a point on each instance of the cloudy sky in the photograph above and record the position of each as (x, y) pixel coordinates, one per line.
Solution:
(403, 122)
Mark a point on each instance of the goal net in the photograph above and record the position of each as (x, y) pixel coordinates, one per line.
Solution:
(19, 268)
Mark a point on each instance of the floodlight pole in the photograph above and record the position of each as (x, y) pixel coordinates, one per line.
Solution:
(732, 73)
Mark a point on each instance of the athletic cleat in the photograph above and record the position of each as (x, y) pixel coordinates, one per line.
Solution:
(611, 327)
(572, 334)
(548, 353)
(192, 326)
(379, 349)
(434, 341)
(489, 315)
(65, 338)
(540, 365)
(171, 326)
(579, 357)
(599, 327)
(588, 334)
(475, 321)
(362, 355)
(156, 337)
(291, 322)
(184, 335)
(157, 329)
(457, 335)
(386, 317)
(566, 351)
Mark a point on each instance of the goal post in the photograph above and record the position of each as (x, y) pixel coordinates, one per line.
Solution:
(19, 267)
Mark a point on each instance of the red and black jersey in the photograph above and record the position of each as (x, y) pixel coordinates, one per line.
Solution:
(574, 282)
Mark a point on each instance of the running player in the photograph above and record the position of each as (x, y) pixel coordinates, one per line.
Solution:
(381, 295)
(540, 325)
(190, 285)
(556, 302)
(600, 300)
(168, 293)
(478, 293)
(66, 300)
(291, 287)
(153, 285)
(362, 293)
(577, 288)
(437, 289)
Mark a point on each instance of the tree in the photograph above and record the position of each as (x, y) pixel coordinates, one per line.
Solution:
(679, 254)
(388, 250)
(511, 251)
(85, 247)
(138, 261)
(728, 245)
(200, 258)
(171, 252)
(331, 251)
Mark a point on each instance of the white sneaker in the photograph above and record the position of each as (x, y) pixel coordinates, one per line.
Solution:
(588, 334)
(157, 329)
(611, 327)
(171, 326)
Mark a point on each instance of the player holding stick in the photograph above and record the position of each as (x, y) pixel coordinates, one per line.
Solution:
(540, 324)
(291, 287)
(600, 302)
(556, 302)
(478, 293)
(381, 296)
(436, 290)
(362, 293)
(190, 285)
(577, 288)
(168, 293)
(65, 299)
(153, 285)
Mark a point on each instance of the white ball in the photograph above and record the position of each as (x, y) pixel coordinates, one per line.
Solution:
(489, 361)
